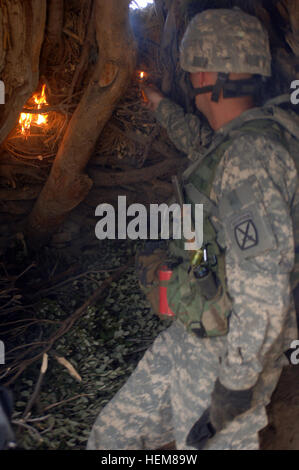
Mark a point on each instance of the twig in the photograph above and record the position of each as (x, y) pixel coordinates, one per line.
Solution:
(18, 368)
(5, 373)
(141, 340)
(154, 134)
(43, 110)
(72, 35)
(66, 401)
(71, 279)
(25, 346)
(105, 179)
(145, 140)
(31, 429)
(33, 398)
(52, 280)
(37, 420)
(136, 351)
(33, 265)
(86, 47)
(32, 321)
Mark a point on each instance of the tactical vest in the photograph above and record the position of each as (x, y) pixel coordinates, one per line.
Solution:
(203, 305)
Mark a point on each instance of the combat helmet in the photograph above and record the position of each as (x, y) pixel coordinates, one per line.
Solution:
(226, 41)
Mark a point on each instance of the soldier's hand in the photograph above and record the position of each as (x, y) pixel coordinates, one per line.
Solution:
(226, 405)
(153, 96)
(201, 432)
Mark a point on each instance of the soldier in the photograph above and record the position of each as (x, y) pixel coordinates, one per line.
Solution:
(207, 379)
(7, 438)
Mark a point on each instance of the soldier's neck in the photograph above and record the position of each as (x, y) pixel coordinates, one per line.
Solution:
(220, 114)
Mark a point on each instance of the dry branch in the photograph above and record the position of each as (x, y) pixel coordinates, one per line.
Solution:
(16, 208)
(292, 37)
(136, 176)
(159, 146)
(53, 42)
(25, 194)
(15, 368)
(86, 47)
(38, 385)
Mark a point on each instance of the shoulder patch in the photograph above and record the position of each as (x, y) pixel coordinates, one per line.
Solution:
(246, 235)
(245, 222)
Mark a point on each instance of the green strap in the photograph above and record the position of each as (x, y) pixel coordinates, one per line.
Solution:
(203, 177)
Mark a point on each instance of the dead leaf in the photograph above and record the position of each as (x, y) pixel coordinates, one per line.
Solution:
(64, 362)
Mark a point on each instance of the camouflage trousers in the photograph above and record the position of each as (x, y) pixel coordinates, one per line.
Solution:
(167, 393)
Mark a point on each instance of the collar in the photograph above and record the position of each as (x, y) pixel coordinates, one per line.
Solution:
(252, 113)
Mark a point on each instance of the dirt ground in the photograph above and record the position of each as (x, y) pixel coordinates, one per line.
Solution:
(282, 433)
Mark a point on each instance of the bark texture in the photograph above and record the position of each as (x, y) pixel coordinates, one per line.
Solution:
(22, 27)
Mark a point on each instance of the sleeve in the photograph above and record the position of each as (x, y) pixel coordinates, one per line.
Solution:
(188, 133)
(257, 185)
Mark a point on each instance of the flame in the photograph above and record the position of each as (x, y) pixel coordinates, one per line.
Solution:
(27, 119)
(141, 75)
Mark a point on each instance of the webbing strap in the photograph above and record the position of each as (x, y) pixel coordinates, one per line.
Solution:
(208, 165)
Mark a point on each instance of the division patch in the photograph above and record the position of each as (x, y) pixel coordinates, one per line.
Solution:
(246, 235)
(246, 223)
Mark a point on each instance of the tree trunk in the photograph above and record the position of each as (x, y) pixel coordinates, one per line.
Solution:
(53, 40)
(67, 185)
(22, 26)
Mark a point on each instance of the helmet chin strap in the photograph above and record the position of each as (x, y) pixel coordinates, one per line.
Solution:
(231, 88)
(215, 89)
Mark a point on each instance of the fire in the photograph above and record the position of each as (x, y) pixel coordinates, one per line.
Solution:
(141, 75)
(28, 119)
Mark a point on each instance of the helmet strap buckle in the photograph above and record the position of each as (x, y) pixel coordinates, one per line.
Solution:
(219, 85)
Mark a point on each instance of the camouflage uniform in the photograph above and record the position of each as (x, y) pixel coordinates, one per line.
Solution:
(172, 385)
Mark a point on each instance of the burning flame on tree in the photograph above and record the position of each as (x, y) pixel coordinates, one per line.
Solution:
(142, 76)
(28, 119)
(142, 79)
